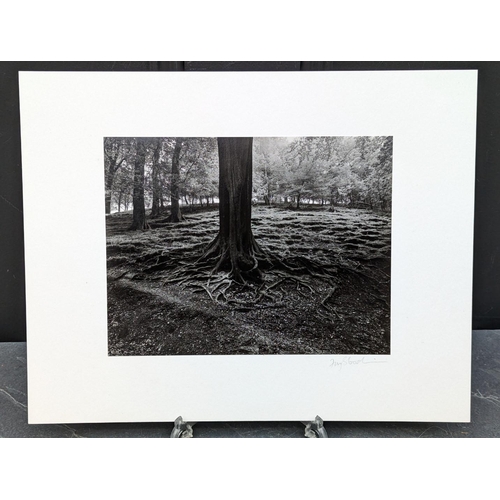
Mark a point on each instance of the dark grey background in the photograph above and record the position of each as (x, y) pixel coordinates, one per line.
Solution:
(485, 409)
(486, 292)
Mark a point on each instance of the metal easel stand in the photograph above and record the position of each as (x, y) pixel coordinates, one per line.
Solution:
(314, 429)
(182, 429)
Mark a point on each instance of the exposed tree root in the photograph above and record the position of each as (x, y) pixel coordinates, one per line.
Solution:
(266, 284)
(208, 270)
(302, 272)
(242, 267)
(262, 276)
(328, 296)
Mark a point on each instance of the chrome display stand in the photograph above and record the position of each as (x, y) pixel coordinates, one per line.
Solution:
(314, 429)
(182, 429)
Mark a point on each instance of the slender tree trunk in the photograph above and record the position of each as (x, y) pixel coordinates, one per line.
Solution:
(298, 201)
(109, 177)
(109, 184)
(155, 206)
(235, 245)
(175, 209)
(139, 213)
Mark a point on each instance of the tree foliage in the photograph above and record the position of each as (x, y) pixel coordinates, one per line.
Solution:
(332, 171)
(347, 171)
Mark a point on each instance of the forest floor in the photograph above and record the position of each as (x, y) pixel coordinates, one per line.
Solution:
(347, 311)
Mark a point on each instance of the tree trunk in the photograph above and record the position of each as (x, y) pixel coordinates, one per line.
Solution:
(139, 213)
(235, 245)
(175, 209)
(155, 206)
(109, 183)
(112, 165)
(298, 201)
(110, 175)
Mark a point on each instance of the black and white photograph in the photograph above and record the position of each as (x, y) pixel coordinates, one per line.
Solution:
(248, 245)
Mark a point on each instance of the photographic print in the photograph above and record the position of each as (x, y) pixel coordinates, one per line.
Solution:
(241, 245)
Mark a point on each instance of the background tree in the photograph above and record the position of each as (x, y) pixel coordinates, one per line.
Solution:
(175, 209)
(156, 181)
(268, 167)
(381, 182)
(197, 165)
(123, 186)
(116, 150)
(139, 213)
(303, 169)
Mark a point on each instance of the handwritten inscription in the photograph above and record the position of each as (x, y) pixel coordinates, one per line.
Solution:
(339, 363)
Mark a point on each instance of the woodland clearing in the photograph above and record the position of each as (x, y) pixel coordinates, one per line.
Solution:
(156, 307)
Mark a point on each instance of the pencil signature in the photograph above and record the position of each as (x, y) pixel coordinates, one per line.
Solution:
(354, 361)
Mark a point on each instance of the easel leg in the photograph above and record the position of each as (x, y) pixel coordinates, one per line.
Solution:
(182, 429)
(315, 429)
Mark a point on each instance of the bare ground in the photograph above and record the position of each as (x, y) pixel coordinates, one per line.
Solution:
(155, 308)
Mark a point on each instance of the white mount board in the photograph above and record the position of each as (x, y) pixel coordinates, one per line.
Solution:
(71, 378)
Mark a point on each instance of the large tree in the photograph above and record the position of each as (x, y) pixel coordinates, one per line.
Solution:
(235, 247)
(139, 213)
